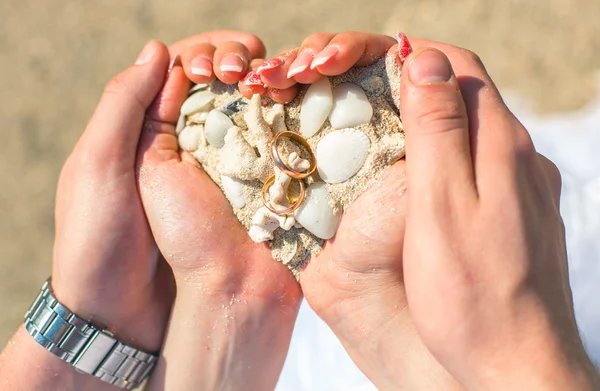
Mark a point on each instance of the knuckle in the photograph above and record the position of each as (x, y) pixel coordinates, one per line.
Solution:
(118, 85)
(315, 38)
(471, 57)
(442, 115)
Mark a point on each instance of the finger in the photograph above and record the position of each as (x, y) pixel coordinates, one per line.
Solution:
(252, 82)
(197, 61)
(114, 130)
(553, 176)
(158, 142)
(254, 45)
(300, 68)
(435, 120)
(496, 136)
(273, 72)
(285, 95)
(231, 61)
(350, 49)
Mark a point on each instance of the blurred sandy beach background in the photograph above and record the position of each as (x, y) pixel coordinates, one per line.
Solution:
(55, 57)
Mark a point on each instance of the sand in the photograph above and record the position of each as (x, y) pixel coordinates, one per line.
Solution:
(295, 246)
(56, 56)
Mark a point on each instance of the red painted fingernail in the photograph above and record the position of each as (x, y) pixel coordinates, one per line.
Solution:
(324, 56)
(404, 47)
(300, 64)
(270, 64)
(253, 79)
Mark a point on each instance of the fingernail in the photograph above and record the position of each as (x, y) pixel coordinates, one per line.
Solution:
(253, 79)
(146, 54)
(176, 61)
(404, 47)
(300, 64)
(270, 64)
(430, 66)
(231, 63)
(324, 56)
(201, 66)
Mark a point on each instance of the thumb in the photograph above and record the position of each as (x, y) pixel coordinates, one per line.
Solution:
(435, 120)
(114, 130)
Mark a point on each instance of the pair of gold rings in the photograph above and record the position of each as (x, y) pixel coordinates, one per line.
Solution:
(286, 169)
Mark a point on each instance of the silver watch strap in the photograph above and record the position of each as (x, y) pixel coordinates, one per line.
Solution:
(92, 351)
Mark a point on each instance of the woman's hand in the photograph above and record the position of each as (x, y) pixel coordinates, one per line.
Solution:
(235, 308)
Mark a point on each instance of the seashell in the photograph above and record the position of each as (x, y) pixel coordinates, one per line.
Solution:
(189, 138)
(341, 154)
(198, 118)
(316, 106)
(234, 191)
(199, 101)
(180, 124)
(373, 84)
(316, 213)
(198, 87)
(216, 127)
(350, 107)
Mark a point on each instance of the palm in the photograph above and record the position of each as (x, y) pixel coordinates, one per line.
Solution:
(367, 245)
(195, 228)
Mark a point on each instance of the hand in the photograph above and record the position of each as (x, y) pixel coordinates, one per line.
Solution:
(484, 256)
(356, 284)
(235, 309)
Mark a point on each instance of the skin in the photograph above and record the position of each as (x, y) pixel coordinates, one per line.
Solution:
(231, 295)
(107, 266)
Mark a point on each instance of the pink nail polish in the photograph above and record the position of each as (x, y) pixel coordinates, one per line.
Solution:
(404, 47)
(324, 56)
(231, 63)
(201, 66)
(270, 64)
(253, 79)
(300, 64)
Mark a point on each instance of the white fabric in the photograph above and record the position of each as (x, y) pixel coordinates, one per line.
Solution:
(317, 361)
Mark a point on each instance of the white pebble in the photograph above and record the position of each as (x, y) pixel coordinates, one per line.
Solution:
(189, 138)
(341, 154)
(216, 127)
(199, 101)
(316, 214)
(316, 106)
(350, 107)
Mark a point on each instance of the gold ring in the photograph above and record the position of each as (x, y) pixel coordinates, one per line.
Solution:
(289, 210)
(287, 170)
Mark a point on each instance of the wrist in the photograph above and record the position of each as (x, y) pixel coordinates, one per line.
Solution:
(228, 331)
(27, 366)
(552, 366)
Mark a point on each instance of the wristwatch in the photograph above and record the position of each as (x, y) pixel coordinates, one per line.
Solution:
(88, 349)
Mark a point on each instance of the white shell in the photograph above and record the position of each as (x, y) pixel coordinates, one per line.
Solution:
(180, 124)
(198, 118)
(234, 191)
(216, 127)
(189, 138)
(316, 213)
(316, 106)
(350, 107)
(341, 154)
(197, 102)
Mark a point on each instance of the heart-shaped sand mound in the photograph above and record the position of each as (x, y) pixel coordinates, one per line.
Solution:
(282, 192)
